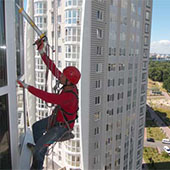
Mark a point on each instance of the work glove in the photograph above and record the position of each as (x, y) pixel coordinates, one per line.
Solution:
(22, 84)
(41, 45)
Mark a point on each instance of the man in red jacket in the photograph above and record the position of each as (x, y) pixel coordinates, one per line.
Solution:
(66, 102)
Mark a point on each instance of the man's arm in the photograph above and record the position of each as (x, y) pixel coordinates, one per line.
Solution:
(42, 48)
(59, 99)
(51, 66)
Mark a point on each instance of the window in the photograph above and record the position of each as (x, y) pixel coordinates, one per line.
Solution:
(145, 53)
(59, 49)
(39, 21)
(130, 66)
(72, 51)
(98, 84)
(72, 16)
(147, 17)
(111, 82)
(108, 140)
(59, 18)
(121, 67)
(98, 68)
(112, 51)
(96, 130)
(129, 93)
(110, 112)
(143, 88)
(40, 7)
(111, 67)
(97, 145)
(109, 127)
(142, 99)
(71, 63)
(73, 2)
(96, 116)
(100, 15)
(120, 81)
(59, 3)
(5, 158)
(146, 28)
(141, 122)
(146, 40)
(128, 107)
(3, 64)
(99, 33)
(120, 96)
(110, 97)
(148, 3)
(129, 80)
(59, 63)
(99, 50)
(119, 109)
(142, 111)
(72, 34)
(144, 65)
(97, 100)
(144, 77)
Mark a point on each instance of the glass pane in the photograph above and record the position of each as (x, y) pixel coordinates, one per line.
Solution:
(18, 31)
(20, 110)
(5, 153)
(3, 69)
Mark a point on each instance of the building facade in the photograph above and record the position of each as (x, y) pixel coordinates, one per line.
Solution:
(114, 59)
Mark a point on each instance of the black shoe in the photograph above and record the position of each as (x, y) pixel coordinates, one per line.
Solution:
(31, 146)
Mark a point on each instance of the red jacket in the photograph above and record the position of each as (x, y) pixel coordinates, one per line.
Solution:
(66, 100)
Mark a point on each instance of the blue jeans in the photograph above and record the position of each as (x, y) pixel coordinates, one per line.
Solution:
(43, 140)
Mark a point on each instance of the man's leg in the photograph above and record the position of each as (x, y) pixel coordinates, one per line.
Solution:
(41, 146)
(39, 128)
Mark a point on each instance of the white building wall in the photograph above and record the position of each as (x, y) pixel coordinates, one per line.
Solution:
(124, 56)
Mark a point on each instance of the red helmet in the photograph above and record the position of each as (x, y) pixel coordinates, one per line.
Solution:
(72, 74)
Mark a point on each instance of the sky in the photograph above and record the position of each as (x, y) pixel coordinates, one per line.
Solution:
(160, 30)
(25, 4)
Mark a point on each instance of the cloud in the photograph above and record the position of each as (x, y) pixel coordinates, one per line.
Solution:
(162, 47)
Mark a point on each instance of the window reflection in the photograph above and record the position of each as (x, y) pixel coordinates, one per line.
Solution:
(5, 156)
(3, 70)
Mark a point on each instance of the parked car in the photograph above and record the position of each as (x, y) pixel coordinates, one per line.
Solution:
(167, 141)
(166, 149)
(150, 140)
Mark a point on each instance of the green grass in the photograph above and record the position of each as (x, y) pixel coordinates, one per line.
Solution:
(153, 131)
(161, 161)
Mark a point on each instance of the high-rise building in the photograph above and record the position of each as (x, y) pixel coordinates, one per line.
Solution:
(114, 59)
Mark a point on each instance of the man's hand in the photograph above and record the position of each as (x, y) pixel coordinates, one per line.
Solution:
(22, 84)
(41, 45)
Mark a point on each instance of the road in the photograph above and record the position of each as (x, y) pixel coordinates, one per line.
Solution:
(156, 144)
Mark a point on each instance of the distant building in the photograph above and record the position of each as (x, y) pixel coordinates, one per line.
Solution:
(159, 57)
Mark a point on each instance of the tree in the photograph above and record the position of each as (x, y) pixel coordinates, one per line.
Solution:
(155, 74)
(166, 84)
